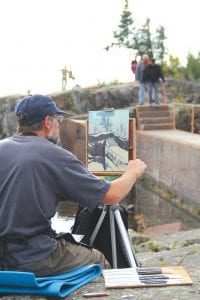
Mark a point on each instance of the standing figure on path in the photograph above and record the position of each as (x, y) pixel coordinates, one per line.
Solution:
(66, 73)
(64, 78)
(139, 77)
(152, 74)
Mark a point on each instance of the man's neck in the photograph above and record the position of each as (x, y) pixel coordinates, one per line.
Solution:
(34, 133)
(29, 133)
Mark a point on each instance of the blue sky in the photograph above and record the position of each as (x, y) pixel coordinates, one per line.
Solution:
(40, 37)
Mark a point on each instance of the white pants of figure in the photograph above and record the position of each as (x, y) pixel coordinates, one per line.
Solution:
(153, 92)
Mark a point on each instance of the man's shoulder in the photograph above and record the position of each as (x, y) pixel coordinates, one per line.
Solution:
(157, 67)
(140, 65)
(6, 140)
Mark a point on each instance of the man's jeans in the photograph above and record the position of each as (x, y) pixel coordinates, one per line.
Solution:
(141, 93)
(153, 92)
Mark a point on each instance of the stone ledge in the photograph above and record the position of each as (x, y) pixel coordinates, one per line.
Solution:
(184, 255)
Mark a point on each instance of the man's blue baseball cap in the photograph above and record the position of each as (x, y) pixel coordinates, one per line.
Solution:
(37, 107)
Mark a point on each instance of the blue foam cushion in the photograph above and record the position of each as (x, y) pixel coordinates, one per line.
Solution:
(12, 282)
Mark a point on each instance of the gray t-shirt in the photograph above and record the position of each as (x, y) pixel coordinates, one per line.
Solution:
(35, 175)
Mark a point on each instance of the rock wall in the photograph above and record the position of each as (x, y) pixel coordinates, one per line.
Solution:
(80, 100)
(7, 116)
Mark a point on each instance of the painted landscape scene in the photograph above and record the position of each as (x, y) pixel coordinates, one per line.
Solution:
(108, 136)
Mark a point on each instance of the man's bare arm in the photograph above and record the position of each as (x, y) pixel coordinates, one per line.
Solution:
(121, 186)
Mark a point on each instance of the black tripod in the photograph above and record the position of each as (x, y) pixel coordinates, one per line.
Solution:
(115, 218)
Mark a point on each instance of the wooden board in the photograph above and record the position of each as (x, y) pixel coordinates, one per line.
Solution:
(127, 278)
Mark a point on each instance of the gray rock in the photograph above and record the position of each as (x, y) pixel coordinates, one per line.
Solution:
(81, 100)
(179, 254)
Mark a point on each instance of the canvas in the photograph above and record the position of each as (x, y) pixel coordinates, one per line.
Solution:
(108, 140)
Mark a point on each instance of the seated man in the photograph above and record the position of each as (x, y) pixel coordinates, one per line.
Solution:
(35, 175)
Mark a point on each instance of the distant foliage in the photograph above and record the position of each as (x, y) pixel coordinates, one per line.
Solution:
(140, 40)
(113, 82)
(159, 43)
(123, 34)
(183, 118)
(143, 40)
(180, 99)
(172, 68)
(193, 67)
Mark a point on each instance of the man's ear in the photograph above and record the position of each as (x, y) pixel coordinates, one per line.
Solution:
(47, 122)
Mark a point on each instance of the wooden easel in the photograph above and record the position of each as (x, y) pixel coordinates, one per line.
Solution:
(113, 210)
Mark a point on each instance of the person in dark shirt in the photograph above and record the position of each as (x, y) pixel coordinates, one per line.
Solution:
(151, 76)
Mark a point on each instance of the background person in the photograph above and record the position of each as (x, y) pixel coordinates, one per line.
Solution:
(133, 66)
(139, 77)
(151, 76)
(35, 175)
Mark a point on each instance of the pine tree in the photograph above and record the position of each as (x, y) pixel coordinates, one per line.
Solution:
(158, 44)
(123, 36)
(144, 41)
(124, 33)
(139, 40)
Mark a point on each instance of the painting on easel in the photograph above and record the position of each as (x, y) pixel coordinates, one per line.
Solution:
(108, 140)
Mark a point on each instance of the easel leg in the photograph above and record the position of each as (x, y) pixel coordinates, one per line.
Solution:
(100, 221)
(125, 239)
(115, 216)
(113, 237)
